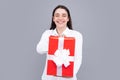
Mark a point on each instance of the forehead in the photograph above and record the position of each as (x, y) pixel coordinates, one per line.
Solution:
(61, 11)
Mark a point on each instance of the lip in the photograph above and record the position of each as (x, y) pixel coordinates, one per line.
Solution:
(60, 22)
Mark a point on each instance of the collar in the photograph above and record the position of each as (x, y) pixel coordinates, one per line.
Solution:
(65, 32)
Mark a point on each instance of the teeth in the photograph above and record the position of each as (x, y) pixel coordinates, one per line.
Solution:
(60, 22)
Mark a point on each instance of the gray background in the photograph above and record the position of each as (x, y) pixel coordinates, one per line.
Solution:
(23, 21)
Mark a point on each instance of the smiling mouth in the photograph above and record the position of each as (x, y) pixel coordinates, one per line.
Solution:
(60, 22)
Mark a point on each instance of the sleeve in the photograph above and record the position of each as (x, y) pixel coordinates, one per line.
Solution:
(78, 53)
(42, 46)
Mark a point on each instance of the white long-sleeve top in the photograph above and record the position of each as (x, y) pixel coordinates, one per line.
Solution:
(42, 47)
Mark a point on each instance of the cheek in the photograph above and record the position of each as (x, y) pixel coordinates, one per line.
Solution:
(67, 19)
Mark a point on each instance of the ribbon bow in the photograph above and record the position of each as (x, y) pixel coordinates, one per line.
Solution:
(62, 57)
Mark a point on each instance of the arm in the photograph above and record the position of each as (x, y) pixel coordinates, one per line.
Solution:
(42, 46)
(78, 53)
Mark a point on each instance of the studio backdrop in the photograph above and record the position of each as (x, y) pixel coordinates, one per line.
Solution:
(22, 23)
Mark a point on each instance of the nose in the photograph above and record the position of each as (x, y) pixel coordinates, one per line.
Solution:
(60, 17)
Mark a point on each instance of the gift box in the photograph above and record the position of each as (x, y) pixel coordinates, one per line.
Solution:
(60, 58)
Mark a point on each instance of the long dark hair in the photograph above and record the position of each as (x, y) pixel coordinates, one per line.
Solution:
(69, 23)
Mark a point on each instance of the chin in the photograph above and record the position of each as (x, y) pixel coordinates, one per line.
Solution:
(60, 26)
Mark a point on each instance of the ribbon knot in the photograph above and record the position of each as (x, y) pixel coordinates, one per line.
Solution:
(61, 56)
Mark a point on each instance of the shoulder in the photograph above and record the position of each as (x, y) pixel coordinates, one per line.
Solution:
(47, 32)
(76, 33)
(78, 36)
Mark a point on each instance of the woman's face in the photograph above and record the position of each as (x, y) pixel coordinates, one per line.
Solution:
(60, 18)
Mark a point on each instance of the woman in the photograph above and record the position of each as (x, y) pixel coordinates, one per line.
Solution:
(61, 25)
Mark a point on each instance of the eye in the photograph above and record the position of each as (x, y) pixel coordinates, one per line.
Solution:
(64, 15)
(57, 15)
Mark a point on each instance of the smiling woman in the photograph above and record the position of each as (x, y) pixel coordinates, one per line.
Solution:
(60, 18)
(63, 46)
(66, 14)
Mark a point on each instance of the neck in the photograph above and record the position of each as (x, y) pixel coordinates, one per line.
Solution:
(60, 30)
